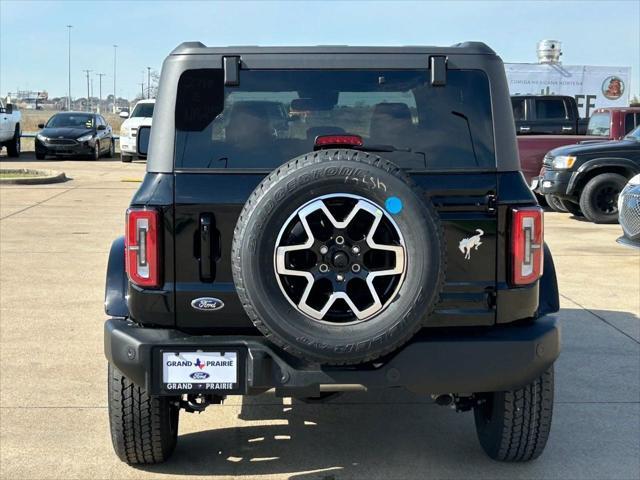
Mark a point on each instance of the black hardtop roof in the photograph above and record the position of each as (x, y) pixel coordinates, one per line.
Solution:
(465, 48)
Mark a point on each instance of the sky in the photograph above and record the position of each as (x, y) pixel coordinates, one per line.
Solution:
(33, 35)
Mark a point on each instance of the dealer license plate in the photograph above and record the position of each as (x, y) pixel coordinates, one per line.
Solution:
(200, 370)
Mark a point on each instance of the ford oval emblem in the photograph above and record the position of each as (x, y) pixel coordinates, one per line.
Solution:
(207, 303)
(199, 375)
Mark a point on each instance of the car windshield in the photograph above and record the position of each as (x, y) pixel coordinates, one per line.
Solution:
(275, 115)
(599, 124)
(634, 134)
(143, 110)
(71, 120)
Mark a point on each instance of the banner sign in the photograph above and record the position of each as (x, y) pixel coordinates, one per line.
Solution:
(592, 87)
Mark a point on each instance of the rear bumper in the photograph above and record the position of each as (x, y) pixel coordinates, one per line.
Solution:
(501, 358)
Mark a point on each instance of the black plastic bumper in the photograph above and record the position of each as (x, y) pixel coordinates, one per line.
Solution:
(500, 358)
(79, 149)
(554, 182)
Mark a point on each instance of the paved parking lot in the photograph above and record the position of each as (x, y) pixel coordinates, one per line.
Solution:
(54, 241)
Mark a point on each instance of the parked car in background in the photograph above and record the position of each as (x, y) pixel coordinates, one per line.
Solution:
(10, 129)
(629, 213)
(75, 134)
(142, 115)
(588, 178)
(547, 115)
(604, 124)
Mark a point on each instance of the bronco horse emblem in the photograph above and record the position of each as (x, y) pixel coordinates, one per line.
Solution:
(466, 244)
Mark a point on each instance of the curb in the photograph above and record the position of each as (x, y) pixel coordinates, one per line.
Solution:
(46, 176)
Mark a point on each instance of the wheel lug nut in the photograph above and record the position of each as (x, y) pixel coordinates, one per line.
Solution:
(355, 268)
(339, 240)
(323, 249)
(355, 249)
(339, 277)
(323, 268)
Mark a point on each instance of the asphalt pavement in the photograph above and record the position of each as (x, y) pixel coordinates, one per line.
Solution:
(54, 242)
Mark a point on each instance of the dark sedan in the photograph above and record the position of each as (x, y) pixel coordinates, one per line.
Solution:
(588, 177)
(75, 134)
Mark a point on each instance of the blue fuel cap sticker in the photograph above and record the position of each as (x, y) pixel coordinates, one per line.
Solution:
(393, 205)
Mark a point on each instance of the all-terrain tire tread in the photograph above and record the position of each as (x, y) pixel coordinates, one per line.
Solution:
(139, 422)
(526, 420)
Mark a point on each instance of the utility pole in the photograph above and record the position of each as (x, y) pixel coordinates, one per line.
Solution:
(141, 89)
(148, 82)
(100, 75)
(69, 91)
(88, 93)
(115, 95)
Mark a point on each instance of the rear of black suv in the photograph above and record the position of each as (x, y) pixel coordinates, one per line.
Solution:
(323, 219)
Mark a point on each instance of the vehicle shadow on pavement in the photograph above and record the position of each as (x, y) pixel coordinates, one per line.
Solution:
(389, 434)
(393, 434)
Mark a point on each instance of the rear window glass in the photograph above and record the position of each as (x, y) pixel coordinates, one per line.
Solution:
(518, 105)
(599, 124)
(275, 115)
(631, 121)
(550, 109)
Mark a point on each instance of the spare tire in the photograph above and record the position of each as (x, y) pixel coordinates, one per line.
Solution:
(338, 257)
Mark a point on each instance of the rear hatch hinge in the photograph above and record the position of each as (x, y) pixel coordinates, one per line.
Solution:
(492, 297)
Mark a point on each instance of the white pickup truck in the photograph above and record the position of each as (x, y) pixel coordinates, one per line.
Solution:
(10, 129)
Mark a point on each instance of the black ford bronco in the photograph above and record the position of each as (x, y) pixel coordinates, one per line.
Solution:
(321, 219)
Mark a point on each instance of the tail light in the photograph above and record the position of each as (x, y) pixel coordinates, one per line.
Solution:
(527, 239)
(337, 141)
(142, 247)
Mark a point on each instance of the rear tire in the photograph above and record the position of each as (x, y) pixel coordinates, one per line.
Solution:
(554, 203)
(571, 207)
(514, 426)
(112, 149)
(144, 428)
(13, 146)
(126, 158)
(599, 198)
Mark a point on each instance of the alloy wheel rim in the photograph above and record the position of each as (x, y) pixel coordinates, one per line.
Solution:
(606, 199)
(340, 259)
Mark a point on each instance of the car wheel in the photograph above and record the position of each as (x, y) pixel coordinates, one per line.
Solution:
(144, 428)
(311, 276)
(514, 426)
(13, 146)
(571, 207)
(96, 151)
(112, 149)
(599, 198)
(125, 158)
(554, 203)
(40, 155)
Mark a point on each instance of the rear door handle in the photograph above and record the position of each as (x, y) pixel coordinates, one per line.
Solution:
(205, 248)
(525, 129)
(566, 129)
